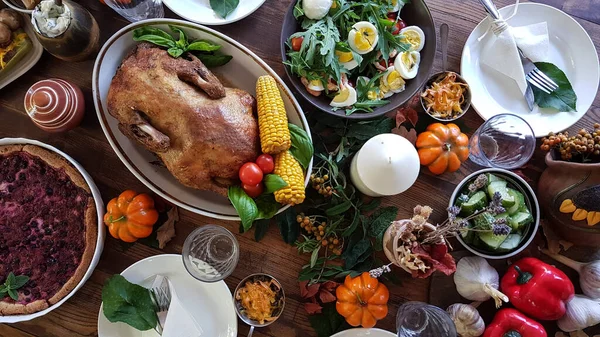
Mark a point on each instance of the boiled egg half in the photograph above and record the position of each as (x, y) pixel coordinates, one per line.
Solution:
(407, 64)
(363, 37)
(393, 81)
(414, 36)
(396, 4)
(346, 59)
(345, 97)
(316, 9)
(315, 85)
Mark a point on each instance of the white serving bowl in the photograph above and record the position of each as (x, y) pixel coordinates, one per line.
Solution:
(522, 186)
(241, 72)
(101, 228)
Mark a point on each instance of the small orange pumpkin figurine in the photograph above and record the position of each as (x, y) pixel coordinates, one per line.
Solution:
(442, 148)
(362, 300)
(131, 216)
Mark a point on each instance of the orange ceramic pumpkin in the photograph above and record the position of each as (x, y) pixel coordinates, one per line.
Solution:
(131, 216)
(362, 300)
(442, 148)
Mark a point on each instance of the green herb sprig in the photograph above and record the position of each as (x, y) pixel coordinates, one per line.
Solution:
(123, 301)
(12, 284)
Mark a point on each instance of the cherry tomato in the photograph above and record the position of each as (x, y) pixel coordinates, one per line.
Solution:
(265, 162)
(392, 15)
(398, 25)
(253, 191)
(382, 63)
(297, 43)
(250, 174)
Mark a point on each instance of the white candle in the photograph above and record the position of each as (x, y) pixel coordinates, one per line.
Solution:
(387, 164)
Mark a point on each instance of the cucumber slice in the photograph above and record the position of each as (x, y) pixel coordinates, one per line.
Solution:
(519, 201)
(477, 243)
(484, 221)
(520, 220)
(492, 241)
(500, 187)
(476, 202)
(511, 243)
(491, 178)
(504, 215)
(466, 234)
(461, 199)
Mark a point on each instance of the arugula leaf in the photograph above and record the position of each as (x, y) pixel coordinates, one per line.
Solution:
(302, 147)
(288, 227)
(129, 303)
(203, 45)
(214, 60)
(561, 99)
(224, 7)
(298, 11)
(273, 183)
(244, 206)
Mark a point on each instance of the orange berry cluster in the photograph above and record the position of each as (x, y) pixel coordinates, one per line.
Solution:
(318, 229)
(321, 184)
(583, 143)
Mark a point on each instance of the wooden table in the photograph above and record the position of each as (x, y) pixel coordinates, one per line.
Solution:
(260, 32)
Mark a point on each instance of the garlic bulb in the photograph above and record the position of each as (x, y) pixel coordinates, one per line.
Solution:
(582, 312)
(589, 273)
(476, 280)
(467, 320)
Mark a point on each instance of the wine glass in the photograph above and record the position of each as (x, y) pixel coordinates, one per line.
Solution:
(418, 319)
(137, 10)
(210, 253)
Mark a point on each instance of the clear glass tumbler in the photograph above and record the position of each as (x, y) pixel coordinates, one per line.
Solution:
(504, 141)
(418, 319)
(210, 253)
(137, 10)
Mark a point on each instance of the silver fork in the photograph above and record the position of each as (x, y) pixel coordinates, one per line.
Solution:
(161, 295)
(535, 76)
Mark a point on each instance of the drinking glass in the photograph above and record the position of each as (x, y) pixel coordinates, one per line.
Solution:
(418, 319)
(136, 10)
(210, 253)
(504, 141)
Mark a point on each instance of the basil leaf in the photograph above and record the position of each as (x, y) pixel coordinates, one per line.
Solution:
(214, 60)
(159, 40)
(203, 45)
(175, 51)
(224, 7)
(267, 206)
(20, 281)
(182, 42)
(561, 99)
(288, 227)
(138, 32)
(273, 183)
(302, 147)
(129, 303)
(13, 294)
(244, 205)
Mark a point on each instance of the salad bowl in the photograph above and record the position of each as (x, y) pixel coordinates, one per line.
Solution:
(415, 13)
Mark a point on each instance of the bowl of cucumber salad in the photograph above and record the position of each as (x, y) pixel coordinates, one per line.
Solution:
(501, 211)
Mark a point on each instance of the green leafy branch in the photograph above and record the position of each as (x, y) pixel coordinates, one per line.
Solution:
(12, 284)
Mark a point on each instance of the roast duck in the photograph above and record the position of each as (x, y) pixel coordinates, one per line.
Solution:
(175, 107)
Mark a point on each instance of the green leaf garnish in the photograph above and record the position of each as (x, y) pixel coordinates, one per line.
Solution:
(302, 147)
(561, 99)
(273, 183)
(224, 7)
(12, 284)
(129, 303)
(244, 205)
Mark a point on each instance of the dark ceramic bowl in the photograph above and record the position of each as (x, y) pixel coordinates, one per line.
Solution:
(416, 13)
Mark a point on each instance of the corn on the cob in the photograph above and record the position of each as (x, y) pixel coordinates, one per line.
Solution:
(288, 168)
(272, 118)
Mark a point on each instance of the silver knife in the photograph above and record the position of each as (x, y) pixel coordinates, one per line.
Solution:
(491, 9)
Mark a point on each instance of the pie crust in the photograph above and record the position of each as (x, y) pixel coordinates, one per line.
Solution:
(90, 227)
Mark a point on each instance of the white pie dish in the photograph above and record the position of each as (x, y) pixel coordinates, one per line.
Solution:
(360, 332)
(241, 72)
(200, 11)
(101, 228)
(571, 49)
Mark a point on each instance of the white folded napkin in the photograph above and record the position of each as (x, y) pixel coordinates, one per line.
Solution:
(500, 49)
(178, 322)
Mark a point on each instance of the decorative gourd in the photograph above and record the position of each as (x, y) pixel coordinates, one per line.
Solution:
(362, 300)
(131, 216)
(442, 148)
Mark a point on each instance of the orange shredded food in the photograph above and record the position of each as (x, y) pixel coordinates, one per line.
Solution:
(444, 98)
(258, 299)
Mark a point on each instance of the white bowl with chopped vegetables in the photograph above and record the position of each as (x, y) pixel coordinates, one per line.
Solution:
(501, 211)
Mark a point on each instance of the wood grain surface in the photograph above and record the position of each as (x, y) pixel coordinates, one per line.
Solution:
(260, 32)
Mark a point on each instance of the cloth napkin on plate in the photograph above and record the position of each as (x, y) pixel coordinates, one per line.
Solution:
(178, 322)
(500, 48)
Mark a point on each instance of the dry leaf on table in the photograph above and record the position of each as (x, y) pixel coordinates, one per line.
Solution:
(404, 132)
(554, 241)
(166, 232)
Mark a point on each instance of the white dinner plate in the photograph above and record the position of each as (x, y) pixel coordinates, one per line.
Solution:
(101, 227)
(200, 11)
(571, 49)
(241, 72)
(210, 304)
(364, 333)
(28, 60)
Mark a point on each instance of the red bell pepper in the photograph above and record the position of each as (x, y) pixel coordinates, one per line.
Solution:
(537, 289)
(511, 323)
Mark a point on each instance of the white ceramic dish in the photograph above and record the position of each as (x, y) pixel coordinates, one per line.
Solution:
(571, 49)
(364, 333)
(210, 304)
(241, 72)
(29, 60)
(200, 11)
(101, 228)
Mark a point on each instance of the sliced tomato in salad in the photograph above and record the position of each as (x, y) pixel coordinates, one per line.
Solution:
(297, 43)
(398, 25)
